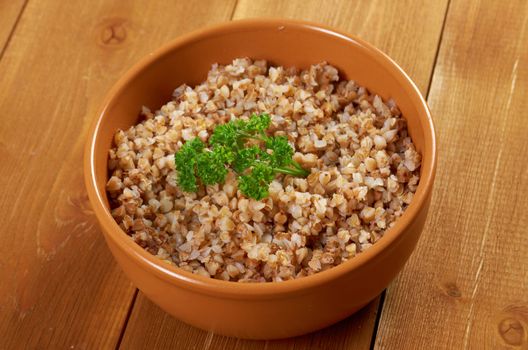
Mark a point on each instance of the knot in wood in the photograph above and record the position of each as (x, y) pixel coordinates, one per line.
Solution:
(452, 290)
(113, 32)
(512, 331)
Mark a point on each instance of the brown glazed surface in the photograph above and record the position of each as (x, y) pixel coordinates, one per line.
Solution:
(261, 310)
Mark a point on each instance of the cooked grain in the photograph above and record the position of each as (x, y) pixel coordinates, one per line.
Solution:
(364, 172)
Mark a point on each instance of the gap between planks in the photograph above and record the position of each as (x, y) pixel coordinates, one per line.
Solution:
(127, 318)
(377, 320)
(12, 32)
(433, 70)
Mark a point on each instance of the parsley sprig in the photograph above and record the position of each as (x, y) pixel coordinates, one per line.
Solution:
(256, 164)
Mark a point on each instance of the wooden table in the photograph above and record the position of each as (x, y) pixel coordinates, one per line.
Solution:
(466, 285)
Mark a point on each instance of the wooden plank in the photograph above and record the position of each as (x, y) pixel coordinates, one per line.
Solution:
(467, 284)
(60, 287)
(412, 41)
(9, 13)
(152, 328)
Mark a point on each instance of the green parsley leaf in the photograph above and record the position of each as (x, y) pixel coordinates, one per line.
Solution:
(185, 160)
(256, 167)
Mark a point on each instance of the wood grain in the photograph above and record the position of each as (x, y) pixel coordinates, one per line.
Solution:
(60, 287)
(152, 328)
(9, 14)
(412, 42)
(467, 284)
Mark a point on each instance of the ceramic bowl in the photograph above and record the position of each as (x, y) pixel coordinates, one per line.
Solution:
(274, 309)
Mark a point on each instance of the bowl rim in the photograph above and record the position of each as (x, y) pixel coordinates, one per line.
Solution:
(230, 289)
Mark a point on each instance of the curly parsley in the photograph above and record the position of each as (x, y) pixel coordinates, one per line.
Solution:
(255, 166)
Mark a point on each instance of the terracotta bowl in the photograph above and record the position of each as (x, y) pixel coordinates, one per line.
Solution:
(275, 309)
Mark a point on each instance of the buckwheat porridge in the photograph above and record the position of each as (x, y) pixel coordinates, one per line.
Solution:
(360, 171)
